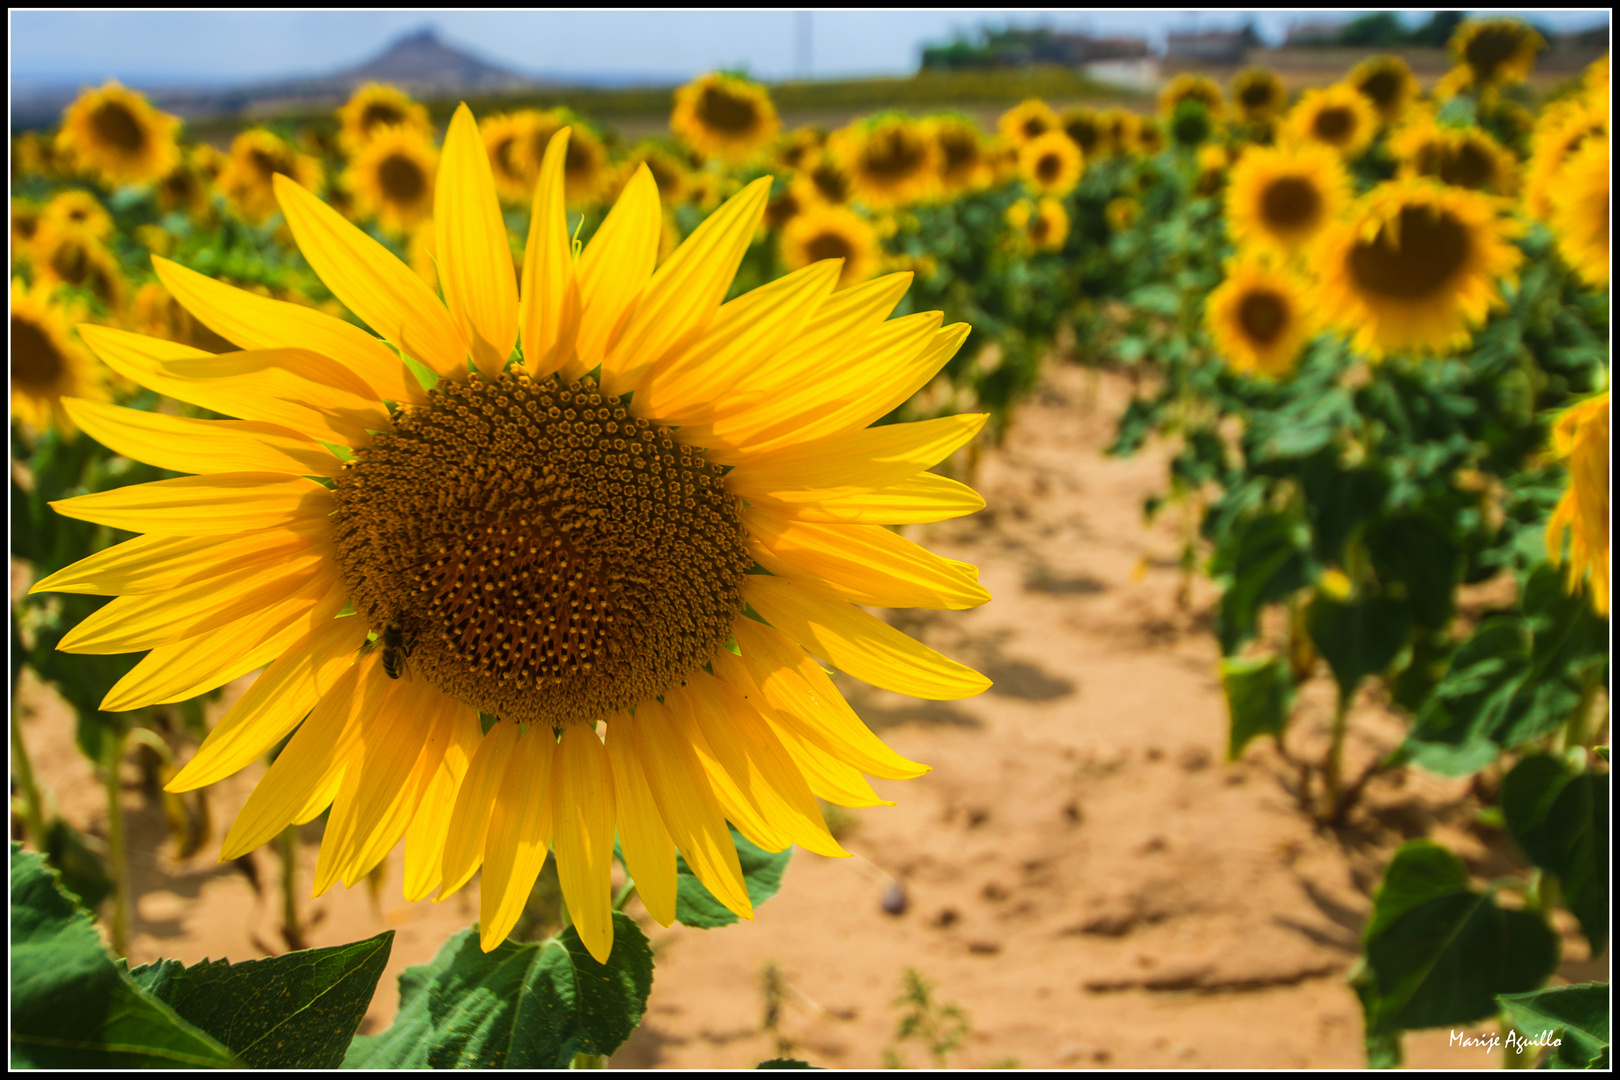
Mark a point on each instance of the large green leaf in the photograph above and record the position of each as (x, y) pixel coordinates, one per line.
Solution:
(1340, 502)
(1357, 637)
(1436, 952)
(1420, 554)
(1262, 561)
(296, 1011)
(1259, 695)
(72, 1007)
(762, 874)
(1560, 818)
(532, 1005)
(1576, 1015)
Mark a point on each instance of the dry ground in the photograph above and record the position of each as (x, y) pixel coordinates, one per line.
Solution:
(1085, 875)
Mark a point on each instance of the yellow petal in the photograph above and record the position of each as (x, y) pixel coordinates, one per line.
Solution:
(188, 445)
(649, 852)
(687, 804)
(857, 643)
(616, 265)
(387, 295)
(219, 503)
(743, 808)
(474, 260)
(320, 747)
(549, 309)
(803, 696)
(866, 564)
(156, 563)
(873, 457)
(195, 665)
(686, 291)
(519, 836)
(924, 497)
(583, 835)
(258, 322)
(469, 821)
(275, 703)
(691, 385)
(424, 840)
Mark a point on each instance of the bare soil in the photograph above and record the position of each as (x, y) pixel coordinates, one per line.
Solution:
(1083, 872)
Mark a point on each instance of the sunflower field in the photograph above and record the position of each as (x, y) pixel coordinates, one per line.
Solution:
(545, 476)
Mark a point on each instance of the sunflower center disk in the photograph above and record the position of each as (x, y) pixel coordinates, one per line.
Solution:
(725, 111)
(35, 363)
(549, 557)
(1334, 125)
(1263, 315)
(401, 178)
(1431, 247)
(1290, 204)
(114, 125)
(380, 115)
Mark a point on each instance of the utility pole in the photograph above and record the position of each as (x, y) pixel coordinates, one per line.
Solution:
(801, 43)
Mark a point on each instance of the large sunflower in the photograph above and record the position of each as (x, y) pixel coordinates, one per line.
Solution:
(1336, 116)
(964, 158)
(1283, 197)
(1258, 94)
(891, 160)
(47, 361)
(1581, 435)
(1413, 267)
(375, 107)
(114, 134)
(1027, 120)
(1495, 51)
(1259, 317)
(724, 117)
(1580, 212)
(392, 178)
(256, 158)
(1051, 164)
(831, 232)
(1560, 131)
(1463, 157)
(1388, 85)
(564, 540)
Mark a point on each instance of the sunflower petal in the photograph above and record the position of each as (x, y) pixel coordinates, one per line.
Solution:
(649, 852)
(469, 821)
(519, 836)
(258, 322)
(743, 808)
(583, 835)
(424, 840)
(218, 503)
(188, 445)
(924, 497)
(616, 265)
(387, 295)
(549, 307)
(275, 703)
(685, 292)
(157, 563)
(687, 804)
(865, 564)
(873, 457)
(475, 262)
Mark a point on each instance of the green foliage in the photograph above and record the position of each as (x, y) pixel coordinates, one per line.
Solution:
(1577, 1016)
(786, 1063)
(533, 1005)
(941, 1027)
(1259, 695)
(1559, 817)
(762, 874)
(1358, 637)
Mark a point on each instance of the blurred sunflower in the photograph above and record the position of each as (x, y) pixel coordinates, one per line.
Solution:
(392, 178)
(34, 154)
(1259, 317)
(1283, 197)
(1086, 128)
(1119, 131)
(1336, 116)
(795, 149)
(505, 135)
(47, 361)
(1581, 435)
(116, 135)
(1597, 86)
(76, 213)
(73, 259)
(1051, 164)
(1463, 157)
(724, 117)
(964, 159)
(1491, 52)
(1258, 94)
(1388, 85)
(24, 226)
(825, 181)
(1562, 128)
(1027, 120)
(375, 107)
(256, 158)
(1043, 225)
(1147, 136)
(185, 189)
(1580, 212)
(586, 172)
(242, 568)
(155, 313)
(1213, 161)
(1413, 267)
(1189, 87)
(891, 160)
(1121, 213)
(784, 207)
(668, 172)
(831, 232)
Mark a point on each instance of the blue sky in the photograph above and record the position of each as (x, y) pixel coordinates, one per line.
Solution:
(244, 46)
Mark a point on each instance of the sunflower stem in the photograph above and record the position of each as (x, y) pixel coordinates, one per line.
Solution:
(1333, 764)
(624, 896)
(117, 857)
(23, 770)
(287, 852)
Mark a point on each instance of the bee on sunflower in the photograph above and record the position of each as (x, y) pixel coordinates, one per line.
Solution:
(1029, 119)
(1258, 94)
(1196, 88)
(392, 178)
(831, 232)
(374, 108)
(255, 159)
(964, 159)
(114, 134)
(1283, 197)
(1051, 164)
(1580, 212)
(1490, 53)
(721, 116)
(48, 364)
(1259, 317)
(1388, 85)
(632, 582)
(1042, 225)
(1337, 116)
(1581, 437)
(891, 160)
(1413, 267)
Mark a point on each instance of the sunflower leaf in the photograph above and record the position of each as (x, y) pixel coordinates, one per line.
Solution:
(762, 874)
(1259, 695)
(1560, 819)
(1576, 1015)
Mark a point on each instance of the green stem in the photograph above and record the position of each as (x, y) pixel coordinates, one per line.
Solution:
(23, 770)
(1333, 764)
(624, 896)
(112, 753)
(287, 851)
